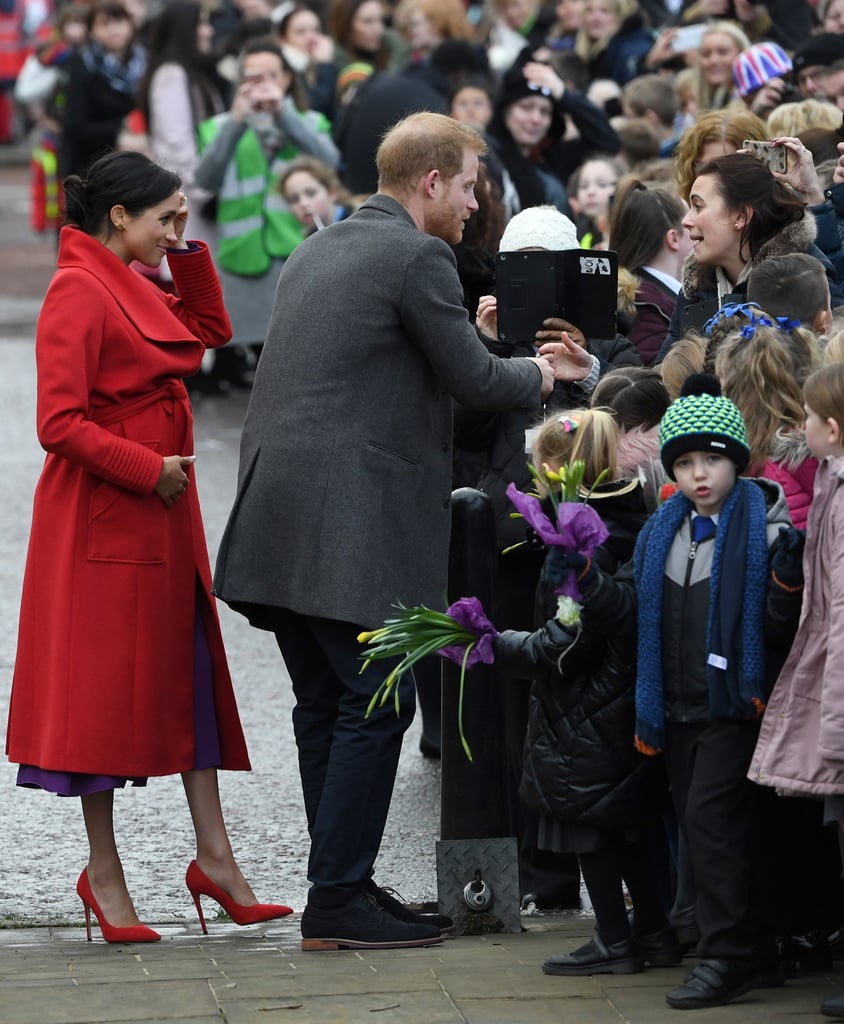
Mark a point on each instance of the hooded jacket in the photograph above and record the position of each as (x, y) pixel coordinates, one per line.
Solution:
(793, 467)
(801, 742)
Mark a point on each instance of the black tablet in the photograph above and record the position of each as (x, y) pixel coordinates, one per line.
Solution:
(578, 285)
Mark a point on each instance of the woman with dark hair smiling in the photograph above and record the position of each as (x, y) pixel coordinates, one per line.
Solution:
(739, 215)
(120, 672)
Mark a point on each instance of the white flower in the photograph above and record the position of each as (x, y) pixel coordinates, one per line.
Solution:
(568, 610)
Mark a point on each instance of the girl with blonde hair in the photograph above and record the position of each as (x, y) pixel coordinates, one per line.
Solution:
(757, 373)
(793, 118)
(590, 435)
(596, 796)
(613, 40)
(720, 44)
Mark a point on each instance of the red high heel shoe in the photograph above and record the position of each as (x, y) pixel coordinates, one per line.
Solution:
(134, 933)
(200, 884)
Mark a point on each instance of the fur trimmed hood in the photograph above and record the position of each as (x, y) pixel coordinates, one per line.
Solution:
(789, 448)
(796, 237)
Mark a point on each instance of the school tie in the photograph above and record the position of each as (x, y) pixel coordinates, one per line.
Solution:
(703, 527)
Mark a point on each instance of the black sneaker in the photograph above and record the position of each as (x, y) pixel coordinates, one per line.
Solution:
(362, 924)
(596, 957)
(386, 900)
(713, 983)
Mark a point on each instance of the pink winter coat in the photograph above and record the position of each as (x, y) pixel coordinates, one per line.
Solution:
(793, 467)
(801, 742)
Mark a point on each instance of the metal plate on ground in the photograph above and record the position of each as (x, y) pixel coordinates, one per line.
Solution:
(478, 884)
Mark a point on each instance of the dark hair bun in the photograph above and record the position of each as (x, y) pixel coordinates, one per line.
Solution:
(701, 384)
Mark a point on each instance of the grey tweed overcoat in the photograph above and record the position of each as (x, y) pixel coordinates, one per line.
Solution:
(343, 498)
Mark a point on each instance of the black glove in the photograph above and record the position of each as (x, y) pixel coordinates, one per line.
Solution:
(787, 561)
(560, 562)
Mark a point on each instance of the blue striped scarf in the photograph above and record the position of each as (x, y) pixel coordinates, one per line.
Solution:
(735, 625)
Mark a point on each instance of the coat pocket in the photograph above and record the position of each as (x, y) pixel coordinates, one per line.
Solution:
(126, 527)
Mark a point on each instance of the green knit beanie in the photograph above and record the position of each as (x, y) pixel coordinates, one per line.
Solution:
(702, 420)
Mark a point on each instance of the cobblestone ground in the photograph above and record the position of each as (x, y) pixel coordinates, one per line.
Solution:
(42, 845)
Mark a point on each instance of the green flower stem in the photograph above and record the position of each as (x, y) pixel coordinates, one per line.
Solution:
(417, 633)
(460, 702)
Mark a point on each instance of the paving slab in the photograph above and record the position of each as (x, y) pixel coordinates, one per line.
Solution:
(260, 975)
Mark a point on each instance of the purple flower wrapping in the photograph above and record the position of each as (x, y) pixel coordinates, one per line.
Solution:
(569, 587)
(530, 508)
(469, 613)
(580, 528)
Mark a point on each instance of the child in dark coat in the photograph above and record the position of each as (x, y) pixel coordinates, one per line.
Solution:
(595, 794)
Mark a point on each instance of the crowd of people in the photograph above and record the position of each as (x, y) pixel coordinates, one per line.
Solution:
(353, 175)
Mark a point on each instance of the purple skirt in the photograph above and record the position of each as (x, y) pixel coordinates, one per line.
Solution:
(206, 735)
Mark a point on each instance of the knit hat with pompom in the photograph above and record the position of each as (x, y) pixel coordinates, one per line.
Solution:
(702, 420)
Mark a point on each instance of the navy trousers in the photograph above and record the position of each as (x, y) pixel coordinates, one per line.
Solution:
(718, 812)
(347, 762)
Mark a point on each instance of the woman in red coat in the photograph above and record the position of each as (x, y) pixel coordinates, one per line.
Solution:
(120, 671)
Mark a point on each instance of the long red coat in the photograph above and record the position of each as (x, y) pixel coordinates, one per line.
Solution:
(103, 678)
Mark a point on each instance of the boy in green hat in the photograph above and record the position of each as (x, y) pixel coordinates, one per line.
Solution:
(718, 568)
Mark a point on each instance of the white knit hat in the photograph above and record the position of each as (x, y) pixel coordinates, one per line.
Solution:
(539, 227)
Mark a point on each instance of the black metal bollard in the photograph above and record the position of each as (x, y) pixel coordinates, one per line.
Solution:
(474, 793)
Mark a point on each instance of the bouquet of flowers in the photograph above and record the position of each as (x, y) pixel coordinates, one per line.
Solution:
(576, 526)
(462, 633)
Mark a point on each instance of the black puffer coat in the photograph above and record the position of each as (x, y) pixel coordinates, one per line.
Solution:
(580, 763)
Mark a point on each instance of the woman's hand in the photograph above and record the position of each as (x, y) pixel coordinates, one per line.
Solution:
(768, 97)
(569, 360)
(553, 329)
(486, 318)
(838, 173)
(242, 106)
(544, 77)
(180, 222)
(801, 174)
(662, 50)
(322, 51)
(174, 480)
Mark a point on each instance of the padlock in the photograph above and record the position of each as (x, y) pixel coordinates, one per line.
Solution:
(477, 895)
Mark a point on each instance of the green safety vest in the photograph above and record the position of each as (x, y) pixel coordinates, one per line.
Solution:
(255, 225)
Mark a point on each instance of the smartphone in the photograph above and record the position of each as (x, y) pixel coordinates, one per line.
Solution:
(688, 37)
(776, 157)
